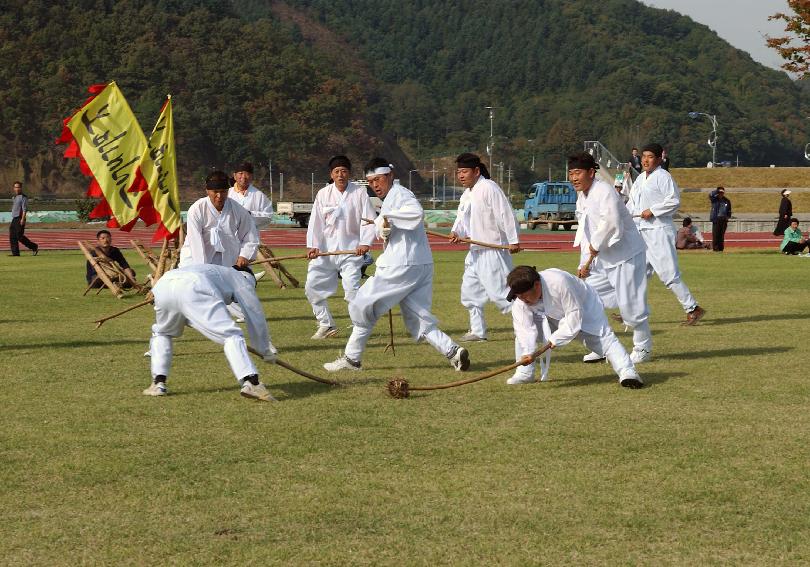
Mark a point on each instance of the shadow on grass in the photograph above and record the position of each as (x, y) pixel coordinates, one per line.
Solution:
(650, 379)
(72, 344)
(742, 351)
(752, 319)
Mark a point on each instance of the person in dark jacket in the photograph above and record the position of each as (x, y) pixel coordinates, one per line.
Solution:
(720, 213)
(785, 214)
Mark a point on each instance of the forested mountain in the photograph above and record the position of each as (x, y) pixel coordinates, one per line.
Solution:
(293, 82)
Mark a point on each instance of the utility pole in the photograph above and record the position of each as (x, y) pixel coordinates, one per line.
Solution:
(509, 182)
(312, 186)
(280, 186)
(433, 171)
(270, 168)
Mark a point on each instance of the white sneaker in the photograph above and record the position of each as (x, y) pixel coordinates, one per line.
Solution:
(259, 392)
(259, 275)
(629, 378)
(156, 389)
(461, 359)
(520, 378)
(593, 357)
(148, 353)
(342, 363)
(324, 332)
(240, 319)
(640, 355)
(470, 337)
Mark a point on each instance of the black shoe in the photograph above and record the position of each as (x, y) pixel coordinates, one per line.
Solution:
(36, 250)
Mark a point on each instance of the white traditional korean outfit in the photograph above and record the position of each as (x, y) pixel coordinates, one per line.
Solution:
(573, 310)
(618, 273)
(484, 214)
(335, 224)
(197, 296)
(218, 237)
(659, 193)
(404, 277)
(257, 204)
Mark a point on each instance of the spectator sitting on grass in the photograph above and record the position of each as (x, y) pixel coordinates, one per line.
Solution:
(689, 237)
(793, 243)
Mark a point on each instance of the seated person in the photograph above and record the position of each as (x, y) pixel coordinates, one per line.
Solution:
(793, 243)
(105, 248)
(689, 237)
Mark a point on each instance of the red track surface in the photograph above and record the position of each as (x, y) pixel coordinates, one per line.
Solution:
(65, 239)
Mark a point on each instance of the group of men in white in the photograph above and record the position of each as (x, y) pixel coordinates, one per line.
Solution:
(620, 246)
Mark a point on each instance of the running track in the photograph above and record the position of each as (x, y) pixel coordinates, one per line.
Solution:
(65, 239)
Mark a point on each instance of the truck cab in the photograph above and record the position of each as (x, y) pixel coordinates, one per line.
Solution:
(553, 202)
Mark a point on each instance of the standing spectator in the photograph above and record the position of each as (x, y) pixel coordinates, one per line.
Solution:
(793, 243)
(247, 195)
(720, 213)
(16, 230)
(689, 237)
(664, 161)
(785, 213)
(336, 224)
(485, 215)
(635, 160)
(654, 198)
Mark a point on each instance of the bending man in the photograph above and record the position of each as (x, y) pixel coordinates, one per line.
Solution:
(197, 296)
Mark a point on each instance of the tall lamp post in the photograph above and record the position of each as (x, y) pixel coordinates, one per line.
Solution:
(410, 185)
(713, 137)
(491, 146)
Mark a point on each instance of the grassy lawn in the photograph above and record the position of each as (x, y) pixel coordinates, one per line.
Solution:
(707, 465)
(781, 177)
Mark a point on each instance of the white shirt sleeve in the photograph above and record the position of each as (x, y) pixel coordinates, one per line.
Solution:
(504, 215)
(609, 226)
(194, 234)
(571, 323)
(247, 233)
(367, 231)
(315, 226)
(671, 201)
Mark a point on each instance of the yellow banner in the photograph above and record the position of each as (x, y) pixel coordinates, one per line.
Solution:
(112, 143)
(159, 169)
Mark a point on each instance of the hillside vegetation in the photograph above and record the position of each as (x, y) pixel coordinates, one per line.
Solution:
(290, 83)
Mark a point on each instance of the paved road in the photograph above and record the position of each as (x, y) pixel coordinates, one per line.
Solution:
(65, 239)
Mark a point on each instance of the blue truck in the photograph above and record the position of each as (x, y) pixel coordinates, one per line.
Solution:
(552, 202)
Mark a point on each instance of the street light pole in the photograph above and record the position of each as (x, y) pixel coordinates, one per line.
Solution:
(410, 185)
(712, 142)
(491, 147)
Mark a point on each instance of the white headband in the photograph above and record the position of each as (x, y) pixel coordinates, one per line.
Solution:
(379, 171)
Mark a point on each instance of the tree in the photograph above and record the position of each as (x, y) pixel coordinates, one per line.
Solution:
(797, 24)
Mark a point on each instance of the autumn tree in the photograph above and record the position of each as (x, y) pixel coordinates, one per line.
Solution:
(795, 53)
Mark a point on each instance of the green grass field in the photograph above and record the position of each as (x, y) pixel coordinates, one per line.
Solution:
(707, 465)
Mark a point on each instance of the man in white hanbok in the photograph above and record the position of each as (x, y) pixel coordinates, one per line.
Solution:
(654, 198)
(404, 276)
(606, 231)
(336, 224)
(484, 214)
(247, 195)
(554, 306)
(197, 296)
(219, 230)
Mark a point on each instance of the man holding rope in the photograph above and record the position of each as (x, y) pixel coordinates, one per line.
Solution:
(567, 308)
(612, 258)
(336, 224)
(197, 296)
(484, 214)
(404, 276)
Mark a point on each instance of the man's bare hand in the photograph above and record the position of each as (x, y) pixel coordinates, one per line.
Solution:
(526, 360)
(514, 248)
(361, 250)
(242, 262)
(647, 214)
(454, 238)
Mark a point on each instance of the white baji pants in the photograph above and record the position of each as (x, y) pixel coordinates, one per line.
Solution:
(484, 280)
(624, 286)
(410, 287)
(662, 258)
(177, 306)
(322, 281)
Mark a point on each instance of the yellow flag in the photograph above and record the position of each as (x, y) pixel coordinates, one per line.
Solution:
(159, 169)
(112, 144)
